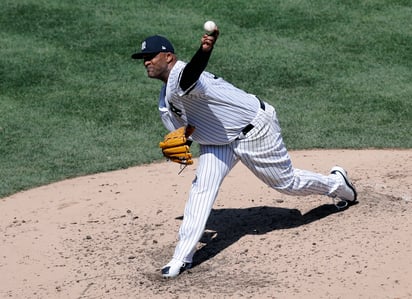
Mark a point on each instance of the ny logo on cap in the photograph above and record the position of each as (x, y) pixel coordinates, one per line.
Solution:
(143, 45)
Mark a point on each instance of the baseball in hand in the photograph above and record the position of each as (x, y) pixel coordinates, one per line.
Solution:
(209, 26)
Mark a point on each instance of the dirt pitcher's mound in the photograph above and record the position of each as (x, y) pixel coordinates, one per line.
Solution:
(107, 235)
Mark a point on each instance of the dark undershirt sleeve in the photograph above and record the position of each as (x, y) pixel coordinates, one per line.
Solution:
(194, 68)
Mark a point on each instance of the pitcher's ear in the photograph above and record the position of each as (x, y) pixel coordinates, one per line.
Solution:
(170, 57)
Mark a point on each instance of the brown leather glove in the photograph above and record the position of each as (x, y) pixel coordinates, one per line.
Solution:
(176, 146)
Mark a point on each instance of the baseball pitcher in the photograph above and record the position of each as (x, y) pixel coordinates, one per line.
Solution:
(230, 125)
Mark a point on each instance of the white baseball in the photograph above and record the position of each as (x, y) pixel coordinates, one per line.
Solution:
(209, 26)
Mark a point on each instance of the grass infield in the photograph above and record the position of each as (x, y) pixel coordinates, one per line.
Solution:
(72, 101)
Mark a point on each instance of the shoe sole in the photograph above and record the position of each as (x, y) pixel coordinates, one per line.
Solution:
(348, 183)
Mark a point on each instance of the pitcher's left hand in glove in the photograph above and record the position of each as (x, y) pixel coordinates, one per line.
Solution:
(176, 146)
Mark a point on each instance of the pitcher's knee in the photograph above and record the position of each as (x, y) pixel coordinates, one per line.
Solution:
(296, 186)
(284, 186)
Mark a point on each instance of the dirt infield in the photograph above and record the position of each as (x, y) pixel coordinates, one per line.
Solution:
(107, 235)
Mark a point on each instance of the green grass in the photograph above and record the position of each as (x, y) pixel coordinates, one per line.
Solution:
(72, 101)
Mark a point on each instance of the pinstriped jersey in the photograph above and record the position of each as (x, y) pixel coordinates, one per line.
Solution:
(217, 109)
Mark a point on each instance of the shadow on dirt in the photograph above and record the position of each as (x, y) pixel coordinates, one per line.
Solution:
(227, 226)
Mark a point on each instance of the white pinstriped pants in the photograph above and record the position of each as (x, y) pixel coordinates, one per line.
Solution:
(262, 150)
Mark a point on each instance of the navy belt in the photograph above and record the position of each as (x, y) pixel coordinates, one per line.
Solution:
(249, 127)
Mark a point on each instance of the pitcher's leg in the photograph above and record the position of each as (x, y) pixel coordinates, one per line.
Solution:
(336, 184)
(304, 182)
(264, 153)
(276, 170)
(214, 164)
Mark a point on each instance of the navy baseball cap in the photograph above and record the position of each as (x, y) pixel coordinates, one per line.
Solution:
(153, 45)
